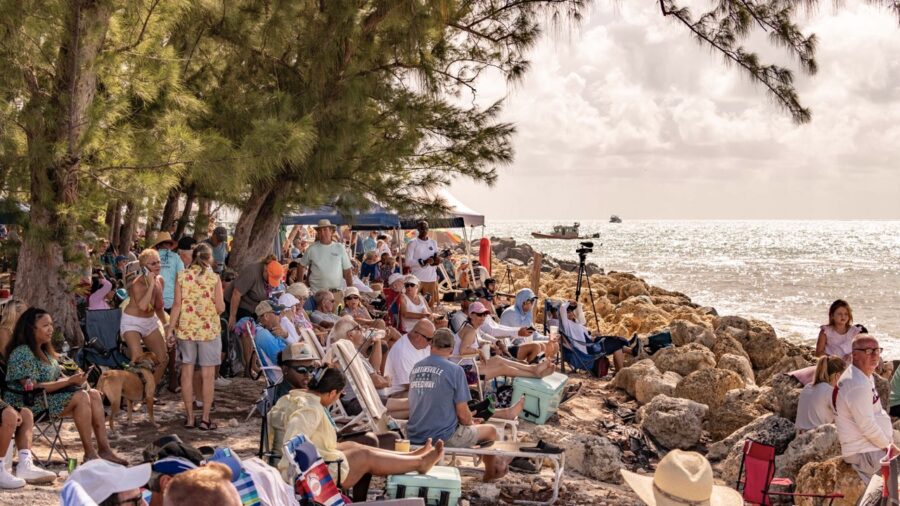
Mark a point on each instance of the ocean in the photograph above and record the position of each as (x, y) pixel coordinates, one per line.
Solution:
(784, 272)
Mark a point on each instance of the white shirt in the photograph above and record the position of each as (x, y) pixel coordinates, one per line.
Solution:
(839, 345)
(862, 424)
(288, 326)
(400, 361)
(814, 408)
(270, 486)
(494, 329)
(419, 249)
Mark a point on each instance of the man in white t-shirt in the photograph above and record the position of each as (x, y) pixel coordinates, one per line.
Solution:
(326, 260)
(409, 350)
(863, 427)
(422, 260)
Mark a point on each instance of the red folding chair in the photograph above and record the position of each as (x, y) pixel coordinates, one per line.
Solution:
(757, 475)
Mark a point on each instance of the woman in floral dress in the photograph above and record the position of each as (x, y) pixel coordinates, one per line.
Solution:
(32, 357)
(195, 322)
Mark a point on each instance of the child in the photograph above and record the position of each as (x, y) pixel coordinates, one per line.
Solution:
(836, 338)
(370, 268)
(387, 267)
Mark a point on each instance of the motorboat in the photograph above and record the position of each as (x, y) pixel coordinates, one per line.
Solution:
(564, 232)
(615, 219)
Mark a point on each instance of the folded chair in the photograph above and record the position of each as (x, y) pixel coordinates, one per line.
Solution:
(757, 475)
(576, 353)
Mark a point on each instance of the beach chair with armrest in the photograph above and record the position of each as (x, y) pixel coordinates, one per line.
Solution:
(756, 476)
(374, 414)
(573, 352)
(48, 428)
(102, 343)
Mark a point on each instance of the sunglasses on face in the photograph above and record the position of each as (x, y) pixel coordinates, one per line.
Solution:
(352, 297)
(482, 314)
(427, 338)
(409, 285)
(299, 369)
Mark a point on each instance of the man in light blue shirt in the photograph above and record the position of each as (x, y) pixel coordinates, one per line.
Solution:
(170, 266)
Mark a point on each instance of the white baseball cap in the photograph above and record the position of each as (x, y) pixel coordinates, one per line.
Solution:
(393, 278)
(288, 300)
(102, 478)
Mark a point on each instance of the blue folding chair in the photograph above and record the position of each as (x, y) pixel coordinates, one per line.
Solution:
(579, 355)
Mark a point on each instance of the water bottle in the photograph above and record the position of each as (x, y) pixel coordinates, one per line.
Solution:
(65, 347)
(28, 397)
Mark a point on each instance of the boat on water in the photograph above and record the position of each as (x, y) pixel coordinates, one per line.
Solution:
(564, 232)
(615, 219)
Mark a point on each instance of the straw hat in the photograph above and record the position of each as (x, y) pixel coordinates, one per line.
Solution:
(681, 478)
(164, 237)
(298, 290)
(324, 223)
(351, 290)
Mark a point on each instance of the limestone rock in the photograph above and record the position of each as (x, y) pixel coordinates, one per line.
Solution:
(883, 387)
(685, 359)
(726, 344)
(813, 445)
(829, 476)
(685, 332)
(751, 393)
(783, 396)
(593, 456)
(731, 416)
(650, 385)
(627, 377)
(771, 430)
(675, 423)
(708, 386)
(785, 365)
(765, 423)
(738, 364)
(757, 338)
(633, 289)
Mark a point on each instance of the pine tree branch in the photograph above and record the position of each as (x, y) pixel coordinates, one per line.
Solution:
(140, 36)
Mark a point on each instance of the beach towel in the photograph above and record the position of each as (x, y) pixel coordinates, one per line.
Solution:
(312, 481)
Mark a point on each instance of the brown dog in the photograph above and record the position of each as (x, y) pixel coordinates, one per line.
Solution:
(127, 384)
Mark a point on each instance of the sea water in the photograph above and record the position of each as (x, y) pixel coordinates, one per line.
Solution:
(784, 272)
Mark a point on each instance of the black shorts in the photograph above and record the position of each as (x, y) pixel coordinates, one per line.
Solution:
(513, 350)
(610, 344)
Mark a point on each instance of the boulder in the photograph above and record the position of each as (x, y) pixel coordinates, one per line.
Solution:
(751, 393)
(757, 338)
(650, 385)
(783, 396)
(731, 416)
(685, 332)
(769, 429)
(627, 377)
(728, 345)
(883, 387)
(832, 475)
(708, 386)
(632, 289)
(685, 359)
(813, 445)
(740, 365)
(785, 365)
(673, 422)
(591, 455)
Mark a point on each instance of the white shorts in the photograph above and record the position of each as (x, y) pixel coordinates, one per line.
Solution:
(142, 325)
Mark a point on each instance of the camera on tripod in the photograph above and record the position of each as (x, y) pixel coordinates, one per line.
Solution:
(586, 247)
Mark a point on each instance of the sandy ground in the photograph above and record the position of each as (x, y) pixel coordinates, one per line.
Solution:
(584, 413)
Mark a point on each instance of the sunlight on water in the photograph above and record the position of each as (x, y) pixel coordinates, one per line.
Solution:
(785, 272)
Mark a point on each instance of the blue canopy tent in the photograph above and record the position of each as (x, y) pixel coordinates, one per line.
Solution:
(374, 218)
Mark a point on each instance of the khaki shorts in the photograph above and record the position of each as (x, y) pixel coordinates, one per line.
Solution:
(466, 436)
(866, 464)
(201, 353)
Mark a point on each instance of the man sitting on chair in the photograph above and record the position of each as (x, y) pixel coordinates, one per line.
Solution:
(439, 409)
(270, 337)
(587, 343)
(409, 350)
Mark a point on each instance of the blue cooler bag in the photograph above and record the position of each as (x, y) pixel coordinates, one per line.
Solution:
(542, 396)
(440, 487)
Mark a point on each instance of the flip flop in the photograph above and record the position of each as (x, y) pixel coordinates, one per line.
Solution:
(570, 392)
(207, 425)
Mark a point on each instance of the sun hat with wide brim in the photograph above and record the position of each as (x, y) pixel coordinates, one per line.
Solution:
(164, 237)
(682, 478)
(324, 223)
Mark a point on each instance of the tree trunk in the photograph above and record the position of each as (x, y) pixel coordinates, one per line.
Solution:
(254, 234)
(201, 222)
(186, 214)
(116, 225)
(153, 215)
(129, 225)
(168, 214)
(108, 221)
(57, 123)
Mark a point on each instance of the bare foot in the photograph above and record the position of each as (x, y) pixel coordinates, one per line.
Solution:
(89, 456)
(545, 368)
(513, 411)
(112, 457)
(425, 448)
(431, 458)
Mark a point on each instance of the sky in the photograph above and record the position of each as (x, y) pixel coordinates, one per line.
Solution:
(628, 115)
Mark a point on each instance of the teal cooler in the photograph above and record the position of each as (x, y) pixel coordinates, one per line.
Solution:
(542, 396)
(439, 487)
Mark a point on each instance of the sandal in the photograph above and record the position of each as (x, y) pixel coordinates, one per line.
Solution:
(207, 425)
(571, 391)
(190, 425)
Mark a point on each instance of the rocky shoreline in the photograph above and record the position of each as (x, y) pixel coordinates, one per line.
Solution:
(722, 382)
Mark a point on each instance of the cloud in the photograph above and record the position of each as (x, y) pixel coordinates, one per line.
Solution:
(630, 105)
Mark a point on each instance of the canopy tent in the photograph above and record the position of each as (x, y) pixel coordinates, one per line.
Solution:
(375, 217)
(459, 215)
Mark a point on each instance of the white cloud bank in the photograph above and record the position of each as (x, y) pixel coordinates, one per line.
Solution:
(629, 115)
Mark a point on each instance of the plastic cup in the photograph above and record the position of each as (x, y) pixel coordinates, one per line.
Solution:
(554, 330)
(529, 338)
(401, 445)
(486, 351)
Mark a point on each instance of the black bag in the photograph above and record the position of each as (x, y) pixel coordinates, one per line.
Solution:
(659, 341)
(233, 363)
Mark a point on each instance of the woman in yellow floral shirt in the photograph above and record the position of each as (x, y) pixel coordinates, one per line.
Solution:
(195, 322)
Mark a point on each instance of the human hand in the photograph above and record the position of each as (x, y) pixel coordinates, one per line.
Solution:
(524, 332)
(230, 323)
(77, 379)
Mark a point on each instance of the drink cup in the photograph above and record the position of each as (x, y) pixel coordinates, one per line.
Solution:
(486, 351)
(529, 338)
(554, 330)
(401, 445)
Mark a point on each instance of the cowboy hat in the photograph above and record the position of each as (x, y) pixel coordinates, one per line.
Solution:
(324, 223)
(681, 478)
(162, 237)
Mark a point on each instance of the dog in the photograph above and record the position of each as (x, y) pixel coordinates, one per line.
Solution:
(135, 384)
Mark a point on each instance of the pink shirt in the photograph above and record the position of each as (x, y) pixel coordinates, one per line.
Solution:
(97, 300)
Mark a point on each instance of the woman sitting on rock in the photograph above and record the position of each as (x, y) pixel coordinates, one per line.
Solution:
(815, 407)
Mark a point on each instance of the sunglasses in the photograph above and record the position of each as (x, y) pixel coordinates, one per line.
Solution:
(299, 369)
(482, 314)
(134, 501)
(351, 297)
(427, 338)
(409, 285)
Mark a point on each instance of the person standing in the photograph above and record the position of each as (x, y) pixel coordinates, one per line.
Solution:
(326, 261)
(169, 267)
(219, 243)
(422, 260)
(252, 286)
(195, 322)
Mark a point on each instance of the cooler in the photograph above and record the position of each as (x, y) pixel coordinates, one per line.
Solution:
(440, 487)
(542, 396)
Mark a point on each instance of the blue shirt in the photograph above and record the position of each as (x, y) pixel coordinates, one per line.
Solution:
(369, 244)
(436, 386)
(170, 266)
(367, 270)
(269, 346)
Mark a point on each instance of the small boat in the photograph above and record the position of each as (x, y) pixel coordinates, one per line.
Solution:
(615, 219)
(564, 232)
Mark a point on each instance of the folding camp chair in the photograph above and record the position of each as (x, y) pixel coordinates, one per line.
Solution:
(574, 352)
(47, 427)
(102, 343)
(756, 476)
(373, 413)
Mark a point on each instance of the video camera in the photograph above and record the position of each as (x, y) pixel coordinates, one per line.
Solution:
(586, 247)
